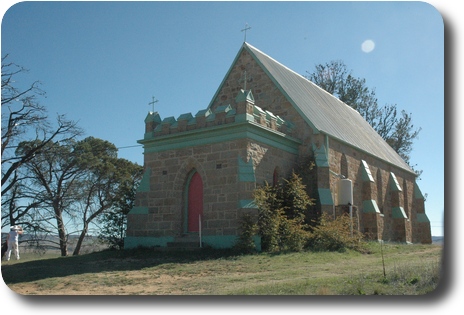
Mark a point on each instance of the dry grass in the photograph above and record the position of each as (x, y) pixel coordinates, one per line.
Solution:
(410, 269)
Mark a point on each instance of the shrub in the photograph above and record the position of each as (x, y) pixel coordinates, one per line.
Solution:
(281, 215)
(245, 243)
(335, 235)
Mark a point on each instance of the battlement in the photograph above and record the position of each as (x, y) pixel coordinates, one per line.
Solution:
(244, 110)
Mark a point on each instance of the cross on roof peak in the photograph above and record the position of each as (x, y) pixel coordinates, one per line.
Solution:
(245, 30)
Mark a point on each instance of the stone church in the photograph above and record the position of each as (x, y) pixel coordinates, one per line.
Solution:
(201, 168)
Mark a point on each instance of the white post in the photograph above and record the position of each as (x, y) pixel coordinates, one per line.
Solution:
(199, 227)
(351, 219)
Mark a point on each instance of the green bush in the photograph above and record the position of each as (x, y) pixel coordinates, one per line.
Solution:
(245, 243)
(281, 215)
(335, 235)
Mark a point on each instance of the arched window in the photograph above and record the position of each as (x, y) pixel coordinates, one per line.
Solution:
(405, 198)
(275, 176)
(194, 201)
(344, 166)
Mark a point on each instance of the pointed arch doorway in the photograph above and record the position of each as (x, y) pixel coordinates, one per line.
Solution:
(194, 202)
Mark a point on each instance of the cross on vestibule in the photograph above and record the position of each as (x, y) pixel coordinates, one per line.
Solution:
(152, 103)
(244, 79)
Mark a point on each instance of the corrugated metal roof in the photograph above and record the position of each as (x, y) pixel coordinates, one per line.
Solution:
(325, 113)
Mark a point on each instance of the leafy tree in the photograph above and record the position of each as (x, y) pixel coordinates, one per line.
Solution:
(397, 130)
(106, 183)
(269, 213)
(79, 180)
(281, 214)
(114, 221)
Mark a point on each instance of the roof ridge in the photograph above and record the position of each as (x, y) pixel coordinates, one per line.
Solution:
(248, 45)
(348, 131)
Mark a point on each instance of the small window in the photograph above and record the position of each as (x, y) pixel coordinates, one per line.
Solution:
(344, 166)
(275, 176)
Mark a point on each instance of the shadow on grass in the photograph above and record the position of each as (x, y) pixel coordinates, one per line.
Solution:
(105, 261)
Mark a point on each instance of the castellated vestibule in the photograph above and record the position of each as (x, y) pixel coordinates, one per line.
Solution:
(201, 169)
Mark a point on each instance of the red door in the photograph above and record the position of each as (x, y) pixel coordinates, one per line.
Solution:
(195, 202)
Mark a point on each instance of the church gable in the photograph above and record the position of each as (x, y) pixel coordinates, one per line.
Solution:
(293, 97)
(246, 72)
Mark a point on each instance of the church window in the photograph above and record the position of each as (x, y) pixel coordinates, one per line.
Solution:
(405, 198)
(275, 176)
(344, 166)
(379, 190)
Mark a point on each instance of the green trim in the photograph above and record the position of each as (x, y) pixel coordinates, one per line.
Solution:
(186, 116)
(422, 218)
(320, 156)
(398, 213)
(366, 172)
(153, 117)
(169, 120)
(226, 241)
(149, 135)
(223, 109)
(144, 185)
(370, 206)
(247, 204)
(139, 210)
(144, 241)
(246, 171)
(325, 196)
(244, 118)
(417, 192)
(215, 241)
(244, 96)
(219, 134)
(394, 185)
(203, 113)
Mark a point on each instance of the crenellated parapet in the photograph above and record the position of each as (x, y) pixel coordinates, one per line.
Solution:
(243, 111)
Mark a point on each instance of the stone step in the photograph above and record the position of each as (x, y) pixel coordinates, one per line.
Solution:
(183, 244)
(187, 241)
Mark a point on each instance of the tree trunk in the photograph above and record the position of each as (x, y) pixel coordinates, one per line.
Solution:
(62, 234)
(80, 240)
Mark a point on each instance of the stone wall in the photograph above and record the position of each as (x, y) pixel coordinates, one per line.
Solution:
(218, 166)
(389, 189)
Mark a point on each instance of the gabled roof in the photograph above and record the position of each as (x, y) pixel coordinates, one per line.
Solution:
(324, 112)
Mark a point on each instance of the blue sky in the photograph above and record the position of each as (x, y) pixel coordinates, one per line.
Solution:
(101, 63)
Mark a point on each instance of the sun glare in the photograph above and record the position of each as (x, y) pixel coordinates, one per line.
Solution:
(367, 46)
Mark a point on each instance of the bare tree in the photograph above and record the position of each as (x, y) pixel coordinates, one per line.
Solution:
(24, 119)
(53, 182)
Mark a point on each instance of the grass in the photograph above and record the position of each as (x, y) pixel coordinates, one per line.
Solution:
(410, 270)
